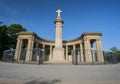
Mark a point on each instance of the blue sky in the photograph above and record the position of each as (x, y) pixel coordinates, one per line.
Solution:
(79, 16)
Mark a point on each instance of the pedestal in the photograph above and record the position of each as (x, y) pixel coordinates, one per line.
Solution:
(58, 55)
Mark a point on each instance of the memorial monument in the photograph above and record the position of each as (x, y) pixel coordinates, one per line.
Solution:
(58, 50)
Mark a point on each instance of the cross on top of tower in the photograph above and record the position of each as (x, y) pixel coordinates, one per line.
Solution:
(58, 11)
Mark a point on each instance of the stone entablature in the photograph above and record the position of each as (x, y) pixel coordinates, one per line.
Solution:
(86, 35)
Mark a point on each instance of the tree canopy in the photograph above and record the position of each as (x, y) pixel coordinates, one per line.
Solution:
(13, 29)
(117, 52)
(8, 36)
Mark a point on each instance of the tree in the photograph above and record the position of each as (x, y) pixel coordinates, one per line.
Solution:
(117, 52)
(69, 50)
(13, 29)
(4, 39)
(8, 36)
(114, 49)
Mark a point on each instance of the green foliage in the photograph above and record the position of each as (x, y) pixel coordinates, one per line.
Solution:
(69, 50)
(114, 49)
(14, 29)
(47, 51)
(8, 36)
(12, 32)
(117, 52)
(4, 38)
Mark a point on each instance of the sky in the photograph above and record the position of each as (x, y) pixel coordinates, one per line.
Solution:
(79, 16)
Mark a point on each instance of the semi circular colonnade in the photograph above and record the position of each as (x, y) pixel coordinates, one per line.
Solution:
(86, 44)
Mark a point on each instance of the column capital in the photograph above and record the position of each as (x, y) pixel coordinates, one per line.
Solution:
(19, 38)
(98, 39)
(31, 39)
(86, 39)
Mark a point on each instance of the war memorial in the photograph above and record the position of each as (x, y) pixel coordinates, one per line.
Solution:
(58, 50)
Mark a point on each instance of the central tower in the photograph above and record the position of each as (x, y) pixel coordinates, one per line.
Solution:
(58, 52)
(58, 24)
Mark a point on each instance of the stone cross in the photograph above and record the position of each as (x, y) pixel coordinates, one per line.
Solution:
(58, 11)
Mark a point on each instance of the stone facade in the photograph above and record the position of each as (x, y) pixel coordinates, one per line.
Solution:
(59, 50)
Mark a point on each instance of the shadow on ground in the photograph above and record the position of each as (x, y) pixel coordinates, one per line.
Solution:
(41, 81)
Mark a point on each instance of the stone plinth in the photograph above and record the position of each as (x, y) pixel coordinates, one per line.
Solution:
(58, 55)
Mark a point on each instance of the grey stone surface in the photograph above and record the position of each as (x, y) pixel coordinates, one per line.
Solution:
(59, 74)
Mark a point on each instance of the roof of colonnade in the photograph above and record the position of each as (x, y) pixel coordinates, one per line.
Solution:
(64, 41)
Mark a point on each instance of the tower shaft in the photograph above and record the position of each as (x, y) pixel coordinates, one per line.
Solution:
(58, 39)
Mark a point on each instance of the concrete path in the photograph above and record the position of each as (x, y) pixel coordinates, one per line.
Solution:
(59, 74)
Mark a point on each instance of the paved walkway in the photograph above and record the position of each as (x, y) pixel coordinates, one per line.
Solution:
(59, 74)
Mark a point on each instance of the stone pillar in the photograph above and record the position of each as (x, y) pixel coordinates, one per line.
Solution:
(36, 45)
(93, 55)
(44, 55)
(81, 53)
(58, 53)
(51, 53)
(43, 47)
(18, 49)
(73, 47)
(99, 51)
(86, 49)
(58, 39)
(78, 56)
(67, 53)
(87, 45)
(29, 50)
(97, 47)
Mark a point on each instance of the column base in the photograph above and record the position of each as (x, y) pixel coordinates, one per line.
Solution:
(58, 56)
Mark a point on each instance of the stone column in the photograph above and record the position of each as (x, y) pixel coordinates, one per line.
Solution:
(99, 51)
(97, 48)
(86, 50)
(73, 47)
(36, 45)
(58, 40)
(29, 50)
(43, 47)
(93, 55)
(50, 57)
(58, 53)
(67, 53)
(81, 53)
(87, 45)
(72, 51)
(18, 49)
(44, 51)
(78, 56)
